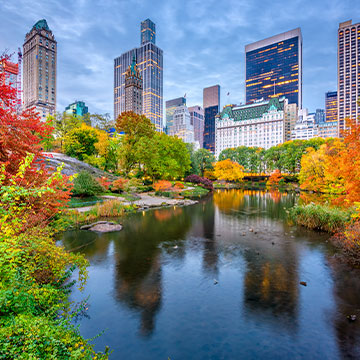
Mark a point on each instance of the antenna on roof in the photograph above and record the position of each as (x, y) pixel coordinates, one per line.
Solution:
(274, 88)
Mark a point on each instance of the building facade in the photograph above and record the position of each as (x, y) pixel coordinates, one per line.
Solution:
(348, 72)
(211, 106)
(290, 119)
(149, 60)
(77, 108)
(260, 124)
(305, 128)
(273, 68)
(319, 116)
(170, 107)
(197, 120)
(331, 106)
(181, 126)
(39, 69)
(327, 129)
(133, 89)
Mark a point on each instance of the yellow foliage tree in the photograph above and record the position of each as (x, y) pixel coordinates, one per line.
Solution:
(228, 170)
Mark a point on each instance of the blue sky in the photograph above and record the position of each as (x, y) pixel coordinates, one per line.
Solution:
(203, 42)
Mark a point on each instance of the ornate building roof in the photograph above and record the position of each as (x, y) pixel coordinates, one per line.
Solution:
(133, 70)
(252, 111)
(41, 24)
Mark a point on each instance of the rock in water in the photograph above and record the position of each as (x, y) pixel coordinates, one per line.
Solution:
(303, 283)
(102, 227)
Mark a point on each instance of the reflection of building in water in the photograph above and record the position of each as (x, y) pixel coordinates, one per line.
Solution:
(271, 281)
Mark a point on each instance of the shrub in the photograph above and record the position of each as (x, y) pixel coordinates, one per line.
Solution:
(275, 179)
(118, 185)
(179, 185)
(104, 182)
(193, 178)
(162, 185)
(196, 179)
(133, 185)
(320, 217)
(86, 185)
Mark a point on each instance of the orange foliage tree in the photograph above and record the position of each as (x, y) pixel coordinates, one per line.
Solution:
(228, 170)
(162, 185)
(20, 137)
(275, 178)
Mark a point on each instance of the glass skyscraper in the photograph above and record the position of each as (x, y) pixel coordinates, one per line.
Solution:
(149, 59)
(273, 68)
(211, 106)
(170, 107)
(331, 106)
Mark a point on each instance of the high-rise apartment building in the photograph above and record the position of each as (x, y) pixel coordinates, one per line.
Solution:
(290, 119)
(211, 106)
(319, 116)
(273, 67)
(197, 120)
(149, 60)
(331, 106)
(348, 72)
(182, 127)
(133, 89)
(77, 108)
(39, 69)
(170, 107)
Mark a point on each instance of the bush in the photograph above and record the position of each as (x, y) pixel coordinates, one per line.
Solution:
(204, 182)
(86, 185)
(118, 185)
(104, 182)
(179, 185)
(133, 185)
(320, 217)
(162, 185)
(193, 178)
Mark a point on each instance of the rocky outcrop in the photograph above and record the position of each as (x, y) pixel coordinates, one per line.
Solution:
(73, 166)
(102, 227)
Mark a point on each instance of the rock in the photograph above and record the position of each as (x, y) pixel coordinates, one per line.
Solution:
(303, 283)
(251, 230)
(351, 317)
(272, 243)
(215, 281)
(102, 227)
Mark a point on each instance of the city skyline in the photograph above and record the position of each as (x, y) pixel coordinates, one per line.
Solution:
(87, 49)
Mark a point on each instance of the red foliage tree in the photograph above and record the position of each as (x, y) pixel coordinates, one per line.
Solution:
(21, 134)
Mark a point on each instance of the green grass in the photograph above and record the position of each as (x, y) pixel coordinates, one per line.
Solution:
(197, 192)
(320, 217)
(76, 202)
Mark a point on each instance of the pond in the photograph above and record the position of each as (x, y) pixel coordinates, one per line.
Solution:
(218, 280)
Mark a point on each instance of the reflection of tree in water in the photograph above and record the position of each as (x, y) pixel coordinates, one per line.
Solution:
(138, 260)
(346, 293)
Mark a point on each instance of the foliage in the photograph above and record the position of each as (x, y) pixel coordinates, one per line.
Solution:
(275, 178)
(118, 185)
(179, 185)
(320, 217)
(203, 161)
(163, 156)
(81, 141)
(162, 185)
(104, 182)
(86, 185)
(101, 122)
(228, 170)
(133, 185)
(196, 179)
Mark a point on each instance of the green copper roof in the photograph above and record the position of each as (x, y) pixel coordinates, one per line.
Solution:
(253, 111)
(133, 66)
(41, 24)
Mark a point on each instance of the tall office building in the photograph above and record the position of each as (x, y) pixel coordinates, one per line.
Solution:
(39, 71)
(331, 106)
(211, 106)
(133, 89)
(149, 59)
(273, 67)
(348, 72)
(197, 120)
(319, 116)
(170, 106)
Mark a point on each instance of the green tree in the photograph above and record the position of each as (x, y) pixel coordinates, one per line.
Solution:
(203, 160)
(80, 142)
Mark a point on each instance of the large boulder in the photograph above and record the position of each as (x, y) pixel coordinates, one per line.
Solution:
(102, 227)
(73, 166)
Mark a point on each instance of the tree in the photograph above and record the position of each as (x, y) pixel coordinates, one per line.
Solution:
(135, 128)
(228, 170)
(81, 141)
(203, 160)
(102, 122)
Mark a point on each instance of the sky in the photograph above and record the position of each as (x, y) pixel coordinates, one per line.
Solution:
(203, 42)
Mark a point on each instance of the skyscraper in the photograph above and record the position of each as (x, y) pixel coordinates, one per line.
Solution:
(39, 71)
(211, 106)
(149, 59)
(331, 106)
(133, 89)
(348, 72)
(170, 106)
(273, 67)
(319, 116)
(77, 108)
(181, 126)
(197, 120)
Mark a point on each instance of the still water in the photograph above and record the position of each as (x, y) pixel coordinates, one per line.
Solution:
(195, 283)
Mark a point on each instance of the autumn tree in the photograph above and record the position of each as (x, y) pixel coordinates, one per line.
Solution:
(228, 170)
(203, 161)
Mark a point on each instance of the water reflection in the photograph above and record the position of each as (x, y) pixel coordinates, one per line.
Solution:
(160, 273)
